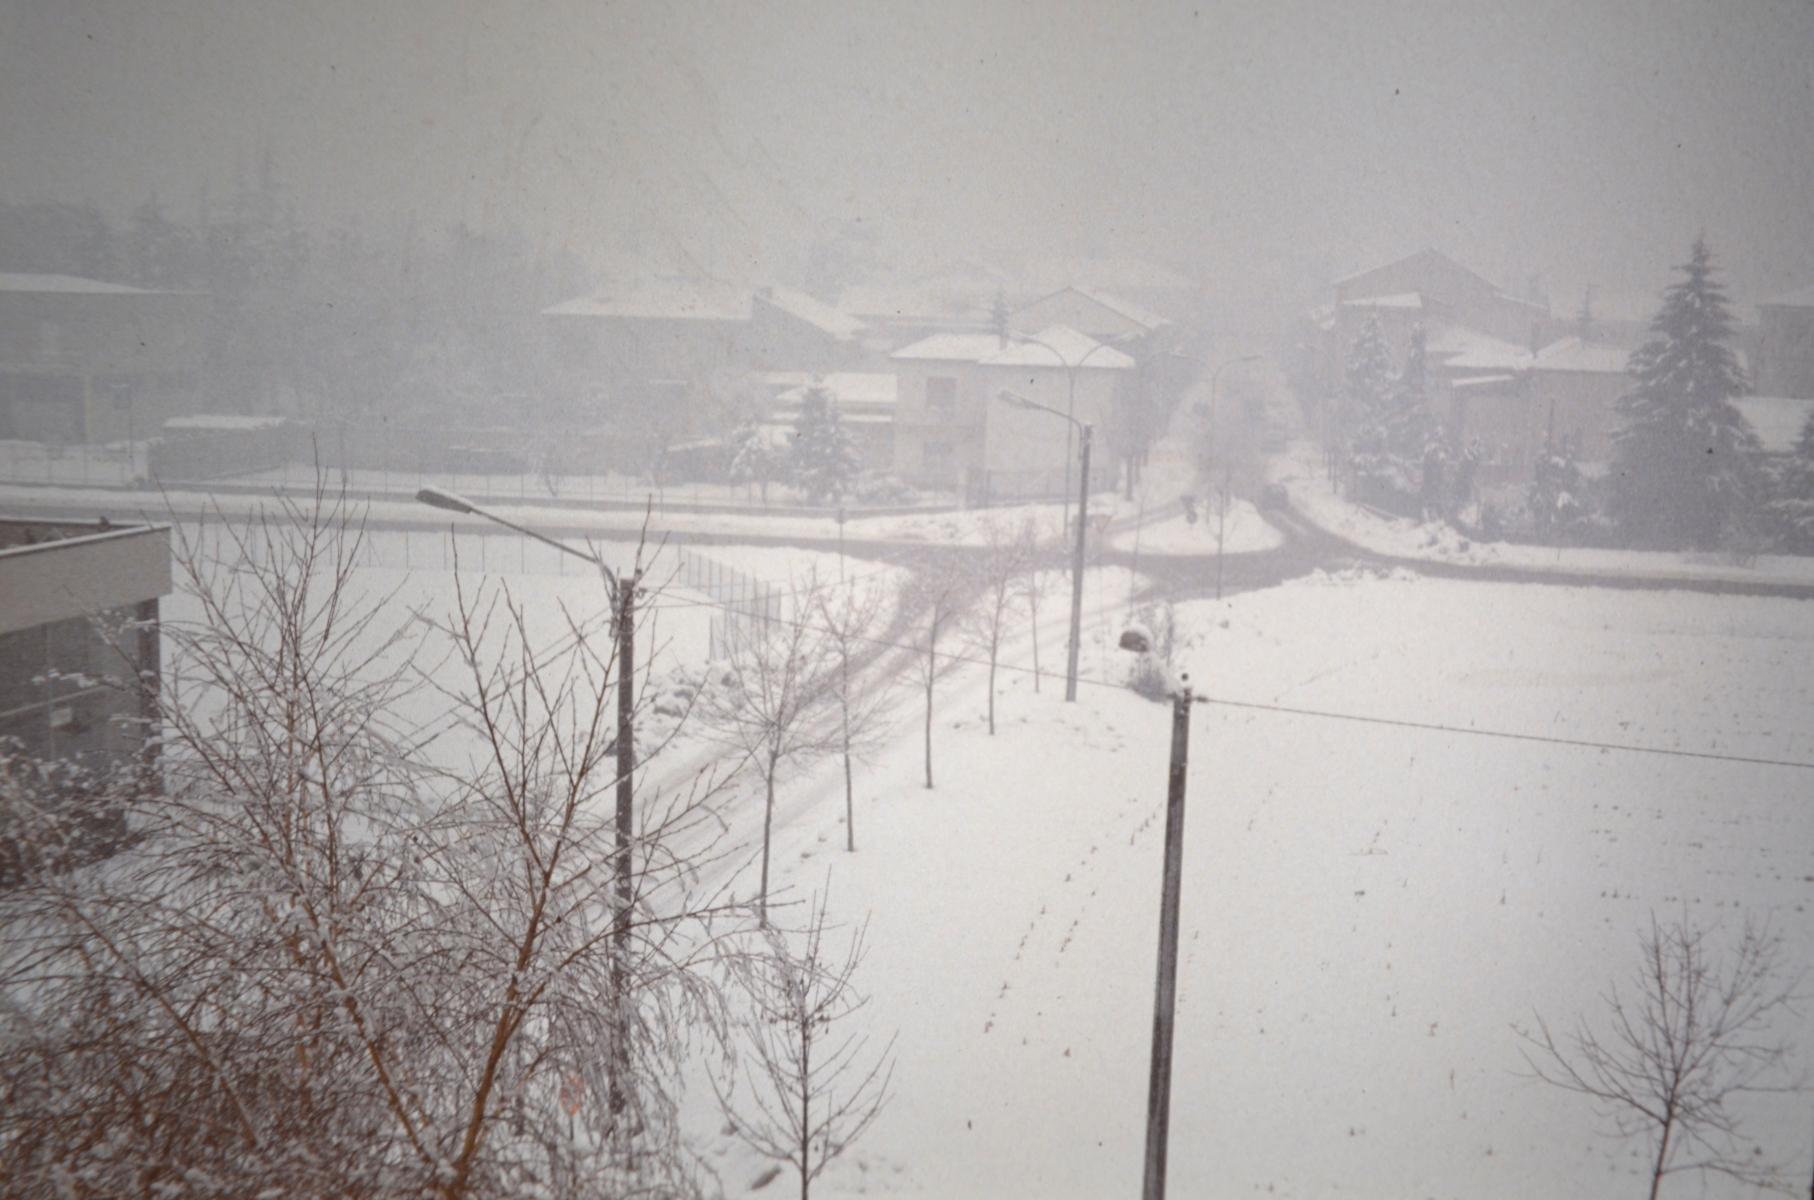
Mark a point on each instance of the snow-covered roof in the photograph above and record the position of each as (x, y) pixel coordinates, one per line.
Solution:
(849, 387)
(1462, 349)
(1402, 300)
(1480, 381)
(24, 281)
(814, 312)
(1145, 318)
(1777, 420)
(1800, 298)
(1573, 354)
(952, 347)
(668, 299)
(222, 422)
(1059, 346)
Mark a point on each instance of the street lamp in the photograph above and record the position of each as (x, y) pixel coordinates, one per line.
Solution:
(1070, 413)
(1083, 505)
(622, 594)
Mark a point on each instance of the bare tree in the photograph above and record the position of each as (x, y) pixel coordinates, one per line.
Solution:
(813, 1088)
(937, 593)
(346, 952)
(1691, 1038)
(1041, 559)
(1001, 572)
(773, 702)
(851, 617)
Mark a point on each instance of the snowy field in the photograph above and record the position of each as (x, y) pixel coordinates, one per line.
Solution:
(1368, 910)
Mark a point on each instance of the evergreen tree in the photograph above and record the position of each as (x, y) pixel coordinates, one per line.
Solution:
(1366, 379)
(1393, 433)
(822, 460)
(752, 460)
(1791, 509)
(1685, 467)
(1554, 498)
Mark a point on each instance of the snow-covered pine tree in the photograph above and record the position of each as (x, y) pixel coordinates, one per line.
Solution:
(823, 460)
(1366, 381)
(1685, 463)
(1393, 426)
(1554, 497)
(752, 460)
(1791, 508)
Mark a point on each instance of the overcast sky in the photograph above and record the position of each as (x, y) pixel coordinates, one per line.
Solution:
(1265, 146)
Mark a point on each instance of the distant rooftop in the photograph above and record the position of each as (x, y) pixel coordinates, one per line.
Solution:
(662, 298)
(1777, 420)
(21, 281)
(952, 347)
(1058, 346)
(1573, 354)
(1460, 348)
(1402, 300)
(841, 325)
(1145, 318)
(860, 388)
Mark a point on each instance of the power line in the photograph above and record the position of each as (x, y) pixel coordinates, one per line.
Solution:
(1323, 714)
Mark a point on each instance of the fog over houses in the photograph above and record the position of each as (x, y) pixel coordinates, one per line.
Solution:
(965, 600)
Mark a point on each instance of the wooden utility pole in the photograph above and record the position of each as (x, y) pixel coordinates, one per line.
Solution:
(1165, 995)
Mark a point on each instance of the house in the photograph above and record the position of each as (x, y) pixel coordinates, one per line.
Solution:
(654, 340)
(1156, 289)
(79, 637)
(792, 331)
(1428, 288)
(1098, 314)
(1777, 421)
(1784, 361)
(953, 433)
(82, 360)
(1511, 403)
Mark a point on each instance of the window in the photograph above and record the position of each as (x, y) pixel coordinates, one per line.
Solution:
(941, 397)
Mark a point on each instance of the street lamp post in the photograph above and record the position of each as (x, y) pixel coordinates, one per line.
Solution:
(1070, 413)
(1083, 503)
(622, 594)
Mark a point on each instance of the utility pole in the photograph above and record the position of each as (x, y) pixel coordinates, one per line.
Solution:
(623, 619)
(1083, 512)
(1165, 994)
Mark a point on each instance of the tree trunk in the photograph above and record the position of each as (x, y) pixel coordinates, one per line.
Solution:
(928, 729)
(806, 1096)
(994, 645)
(768, 824)
(850, 805)
(1656, 1175)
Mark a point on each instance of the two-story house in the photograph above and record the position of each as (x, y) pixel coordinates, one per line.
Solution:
(953, 432)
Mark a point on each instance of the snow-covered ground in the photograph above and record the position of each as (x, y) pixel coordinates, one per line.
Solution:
(1242, 531)
(1368, 910)
(1303, 471)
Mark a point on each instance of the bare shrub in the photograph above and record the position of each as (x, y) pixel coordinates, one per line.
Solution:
(813, 1089)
